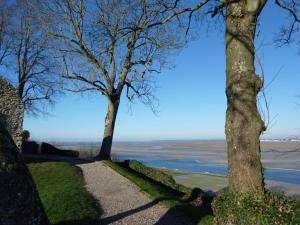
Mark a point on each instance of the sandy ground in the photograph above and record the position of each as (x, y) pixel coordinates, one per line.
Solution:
(274, 154)
(122, 202)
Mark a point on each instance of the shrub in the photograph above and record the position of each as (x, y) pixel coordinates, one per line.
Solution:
(25, 135)
(252, 208)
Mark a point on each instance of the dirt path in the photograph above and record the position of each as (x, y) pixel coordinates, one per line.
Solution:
(122, 202)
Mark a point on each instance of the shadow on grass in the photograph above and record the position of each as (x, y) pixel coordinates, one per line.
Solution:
(61, 187)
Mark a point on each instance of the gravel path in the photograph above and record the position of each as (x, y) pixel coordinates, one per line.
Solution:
(122, 202)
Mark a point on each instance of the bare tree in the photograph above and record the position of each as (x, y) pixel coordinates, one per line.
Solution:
(108, 46)
(31, 60)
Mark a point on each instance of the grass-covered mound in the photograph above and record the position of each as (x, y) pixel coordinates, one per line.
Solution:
(250, 209)
(62, 190)
(157, 175)
(158, 186)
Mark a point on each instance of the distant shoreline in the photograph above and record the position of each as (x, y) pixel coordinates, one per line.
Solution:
(171, 141)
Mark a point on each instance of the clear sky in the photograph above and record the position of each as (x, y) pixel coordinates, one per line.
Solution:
(191, 96)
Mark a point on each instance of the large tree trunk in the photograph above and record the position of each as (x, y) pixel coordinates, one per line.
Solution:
(243, 122)
(20, 203)
(110, 119)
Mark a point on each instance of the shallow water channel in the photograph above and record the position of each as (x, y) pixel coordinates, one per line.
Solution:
(198, 166)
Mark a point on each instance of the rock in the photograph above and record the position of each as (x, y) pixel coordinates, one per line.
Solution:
(11, 111)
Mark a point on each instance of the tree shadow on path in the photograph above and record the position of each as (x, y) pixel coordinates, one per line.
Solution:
(119, 216)
(182, 214)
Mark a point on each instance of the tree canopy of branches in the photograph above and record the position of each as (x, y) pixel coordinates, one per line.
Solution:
(108, 46)
(30, 65)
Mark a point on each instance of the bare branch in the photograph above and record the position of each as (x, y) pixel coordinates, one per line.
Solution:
(285, 37)
(170, 17)
(81, 90)
(97, 84)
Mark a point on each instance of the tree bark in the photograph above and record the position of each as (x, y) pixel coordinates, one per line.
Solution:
(21, 90)
(110, 119)
(243, 122)
(20, 203)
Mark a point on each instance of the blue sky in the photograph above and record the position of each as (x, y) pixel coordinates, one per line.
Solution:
(191, 96)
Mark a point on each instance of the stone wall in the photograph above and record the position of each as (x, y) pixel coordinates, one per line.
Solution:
(11, 111)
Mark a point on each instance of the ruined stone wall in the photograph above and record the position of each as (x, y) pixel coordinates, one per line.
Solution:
(11, 111)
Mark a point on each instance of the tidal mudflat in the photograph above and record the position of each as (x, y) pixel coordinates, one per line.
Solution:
(201, 161)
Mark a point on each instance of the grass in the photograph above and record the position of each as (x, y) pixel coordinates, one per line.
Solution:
(170, 197)
(62, 191)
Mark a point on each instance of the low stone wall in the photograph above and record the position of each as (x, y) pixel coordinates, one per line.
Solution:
(11, 111)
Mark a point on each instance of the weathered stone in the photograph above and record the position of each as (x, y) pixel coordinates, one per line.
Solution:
(11, 110)
(20, 203)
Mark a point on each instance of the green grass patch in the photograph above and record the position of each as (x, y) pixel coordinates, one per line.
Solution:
(161, 188)
(62, 191)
